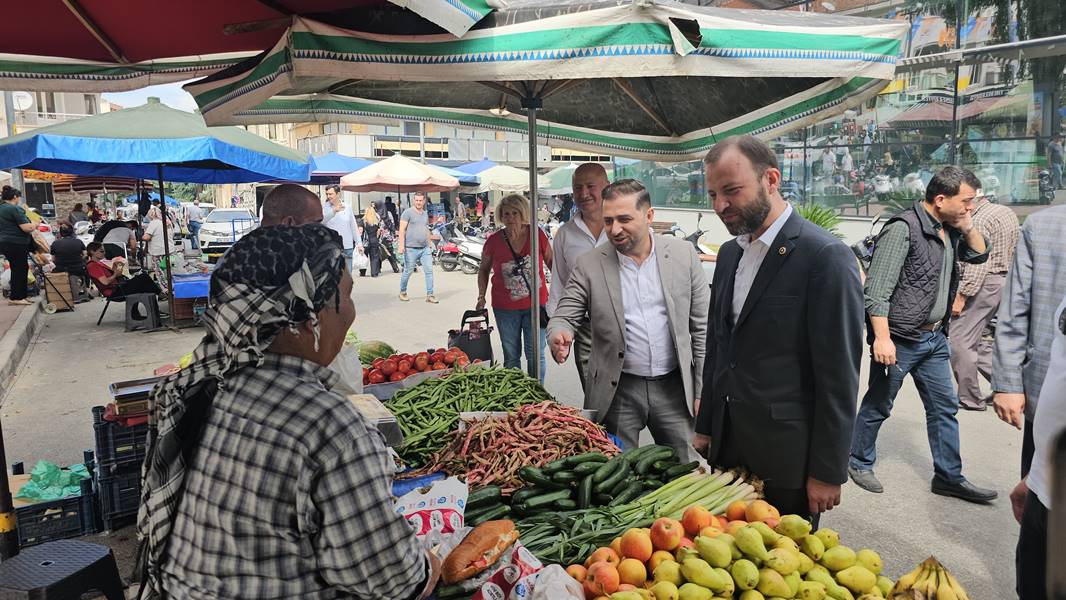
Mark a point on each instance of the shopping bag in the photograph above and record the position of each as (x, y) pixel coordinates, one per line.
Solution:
(473, 335)
(360, 261)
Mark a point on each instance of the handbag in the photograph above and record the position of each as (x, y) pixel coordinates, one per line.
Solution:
(521, 271)
(473, 335)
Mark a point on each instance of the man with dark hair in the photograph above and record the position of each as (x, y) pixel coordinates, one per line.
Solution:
(784, 338)
(291, 204)
(912, 281)
(1054, 160)
(645, 297)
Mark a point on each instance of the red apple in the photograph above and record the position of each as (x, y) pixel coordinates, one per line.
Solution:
(666, 534)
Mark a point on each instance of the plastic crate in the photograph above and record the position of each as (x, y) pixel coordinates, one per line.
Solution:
(57, 519)
(120, 495)
(117, 446)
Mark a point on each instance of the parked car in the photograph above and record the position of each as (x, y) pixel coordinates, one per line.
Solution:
(205, 208)
(223, 227)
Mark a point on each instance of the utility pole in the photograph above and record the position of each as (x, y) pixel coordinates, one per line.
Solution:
(9, 117)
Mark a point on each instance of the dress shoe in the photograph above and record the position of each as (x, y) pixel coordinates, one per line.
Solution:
(964, 490)
(975, 408)
(866, 480)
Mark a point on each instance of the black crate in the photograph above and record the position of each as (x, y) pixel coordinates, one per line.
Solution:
(58, 519)
(117, 446)
(119, 494)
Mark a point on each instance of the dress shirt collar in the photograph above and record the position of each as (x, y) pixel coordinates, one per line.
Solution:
(626, 260)
(768, 236)
(579, 221)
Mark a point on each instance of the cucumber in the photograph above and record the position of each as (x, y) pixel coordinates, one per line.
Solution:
(537, 477)
(675, 472)
(584, 492)
(592, 457)
(485, 496)
(554, 466)
(652, 484)
(619, 474)
(499, 512)
(662, 465)
(566, 477)
(602, 499)
(618, 487)
(545, 500)
(527, 492)
(586, 468)
(565, 504)
(608, 469)
(451, 592)
(634, 454)
(629, 494)
(647, 460)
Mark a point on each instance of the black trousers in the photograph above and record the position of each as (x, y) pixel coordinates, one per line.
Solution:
(113, 251)
(1030, 558)
(139, 284)
(16, 255)
(1028, 447)
(387, 254)
(373, 252)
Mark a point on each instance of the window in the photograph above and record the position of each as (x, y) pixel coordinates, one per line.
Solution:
(46, 103)
(412, 128)
(90, 104)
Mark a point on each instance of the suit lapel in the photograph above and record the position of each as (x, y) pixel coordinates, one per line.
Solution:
(729, 267)
(611, 273)
(775, 257)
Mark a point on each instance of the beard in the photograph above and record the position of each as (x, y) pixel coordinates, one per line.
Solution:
(751, 216)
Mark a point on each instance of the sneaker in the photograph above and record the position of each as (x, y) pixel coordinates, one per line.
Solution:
(964, 490)
(404, 297)
(432, 300)
(866, 480)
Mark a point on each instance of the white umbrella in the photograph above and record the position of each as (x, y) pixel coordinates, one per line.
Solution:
(400, 174)
(501, 178)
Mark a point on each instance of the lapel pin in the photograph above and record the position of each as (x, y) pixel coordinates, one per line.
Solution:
(781, 250)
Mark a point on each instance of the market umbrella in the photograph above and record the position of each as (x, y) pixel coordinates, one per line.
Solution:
(171, 201)
(463, 177)
(84, 184)
(500, 178)
(400, 174)
(559, 180)
(329, 168)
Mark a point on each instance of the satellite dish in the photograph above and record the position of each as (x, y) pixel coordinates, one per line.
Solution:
(22, 100)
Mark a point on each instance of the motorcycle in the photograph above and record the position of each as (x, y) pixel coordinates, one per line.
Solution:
(448, 255)
(707, 254)
(1046, 190)
(470, 248)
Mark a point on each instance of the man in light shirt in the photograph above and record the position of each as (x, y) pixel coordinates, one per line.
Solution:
(646, 299)
(194, 218)
(343, 222)
(574, 239)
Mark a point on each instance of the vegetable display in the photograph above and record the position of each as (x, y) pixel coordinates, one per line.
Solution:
(397, 367)
(428, 411)
(492, 451)
(371, 349)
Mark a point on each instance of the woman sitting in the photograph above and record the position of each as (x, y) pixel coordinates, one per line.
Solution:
(107, 275)
(68, 254)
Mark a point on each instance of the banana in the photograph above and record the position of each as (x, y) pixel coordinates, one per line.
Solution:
(960, 593)
(930, 584)
(944, 591)
(905, 582)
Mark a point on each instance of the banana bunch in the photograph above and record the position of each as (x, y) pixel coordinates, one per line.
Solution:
(929, 581)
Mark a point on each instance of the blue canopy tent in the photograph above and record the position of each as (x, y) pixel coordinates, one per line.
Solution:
(464, 177)
(329, 168)
(150, 142)
(132, 199)
(476, 167)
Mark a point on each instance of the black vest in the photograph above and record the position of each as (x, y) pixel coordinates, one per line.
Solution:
(919, 279)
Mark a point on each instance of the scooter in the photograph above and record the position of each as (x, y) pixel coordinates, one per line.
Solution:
(470, 249)
(1045, 189)
(448, 255)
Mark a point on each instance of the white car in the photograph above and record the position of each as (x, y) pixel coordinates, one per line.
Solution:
(223, 227)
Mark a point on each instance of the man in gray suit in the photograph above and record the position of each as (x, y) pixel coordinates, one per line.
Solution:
(647, 300)
(1025, 324)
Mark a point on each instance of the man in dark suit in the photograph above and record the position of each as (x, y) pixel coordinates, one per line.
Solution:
(784, 338)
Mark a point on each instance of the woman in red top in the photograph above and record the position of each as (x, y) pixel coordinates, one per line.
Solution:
(506, 257)
(107, 275)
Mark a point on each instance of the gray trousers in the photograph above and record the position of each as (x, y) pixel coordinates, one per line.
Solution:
(583, 350)
(658, 404)
(970, 356)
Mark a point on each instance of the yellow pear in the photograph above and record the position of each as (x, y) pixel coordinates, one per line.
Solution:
(857, 578)
(884, 584)
(870, 559)
(728, 586)
(806, 564)
(839, 558)
(811, 590)
(732, 541)
(751, 595)
(716, 552)
(771, 583)
(745, 574)
(697, 571)
(664, 590)
(786, 542)
(751, 543)
(812, 546)
(783, 561)
(794, 527)
(691, 591)
(769, 536)
(829, 537)
(793, 580)
(629, 595)
(668, 571)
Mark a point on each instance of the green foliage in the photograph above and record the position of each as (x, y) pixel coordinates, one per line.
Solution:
(822, 216)
(184, 192)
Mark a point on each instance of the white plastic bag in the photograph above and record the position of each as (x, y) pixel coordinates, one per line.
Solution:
(347, 366)
(360, 260)
(554, 584)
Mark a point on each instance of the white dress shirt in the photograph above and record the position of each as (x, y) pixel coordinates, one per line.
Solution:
(754, 253)
(650, 350)
(343, 222)
(572, 240)
(1050, 417)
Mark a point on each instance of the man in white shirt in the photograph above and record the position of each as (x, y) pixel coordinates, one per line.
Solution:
(343, 222)
(646, 298)
(194, 218)
(1031, 498)
(573, 239)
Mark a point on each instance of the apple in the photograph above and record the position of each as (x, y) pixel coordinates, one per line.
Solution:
(666, 534)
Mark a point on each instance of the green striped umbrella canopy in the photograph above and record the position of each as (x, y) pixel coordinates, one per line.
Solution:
(655, 80)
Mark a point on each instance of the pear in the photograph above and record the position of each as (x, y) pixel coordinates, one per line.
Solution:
(745, 574)
(874, 592)
(629, 595)
(771, 583)
(839, 558)
(793, 580)
(794, 527)
(870, 596)
(716, 552)
(732, 541)
(816, 569)
(685, 552)
(884, 584)
(668, 570)
(813, 547)
(822, 576)
(784, 562)
(750, 542)
(697, 571)
(857, 578)
(811, 590)
(829, 537)
(664, 590)
(751, 595)
(728, 586)
(691, 591)
(870, 559)
(786, 542)
(769, 536)
(806, 564)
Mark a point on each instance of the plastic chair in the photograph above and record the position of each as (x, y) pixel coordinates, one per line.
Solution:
(62, 570)
(142, 312)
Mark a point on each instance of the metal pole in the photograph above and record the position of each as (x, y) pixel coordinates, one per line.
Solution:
(9, 116)
(531, 104)
(960, 6)
(9, 542)
(166, 246)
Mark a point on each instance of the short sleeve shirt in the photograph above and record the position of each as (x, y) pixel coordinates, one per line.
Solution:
(155, 245)
(11, 216)
(509, 287)
(120, 236)
(417, 233)
(67, 253)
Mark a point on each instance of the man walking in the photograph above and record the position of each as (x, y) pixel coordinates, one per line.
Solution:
(977, 301)
(573, 240)
(415, 245)
(912, 278)
(784, 338)
(1035, 284)
(646, 297)
(343, 222)
(194, 219)
(1054, 161)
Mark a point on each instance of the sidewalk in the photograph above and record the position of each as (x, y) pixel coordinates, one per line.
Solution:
(18, 326)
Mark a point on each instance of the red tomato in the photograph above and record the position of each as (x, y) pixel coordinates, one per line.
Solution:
(450, 356)
(376, 364)
(462, 361)
(404, 366)
(437, 356)
(366, 376)
(376, 376)
(439, 366)
(422, 361)
(388, 367)
(397, 376)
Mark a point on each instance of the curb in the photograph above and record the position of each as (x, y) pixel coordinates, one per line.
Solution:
(15, 342)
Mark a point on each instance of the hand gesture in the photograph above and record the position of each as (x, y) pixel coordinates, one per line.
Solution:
(560, 345)
(964, 223)
(1010, 407)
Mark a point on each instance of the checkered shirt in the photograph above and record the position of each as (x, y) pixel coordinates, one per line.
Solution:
(289, 497)
(999, 225)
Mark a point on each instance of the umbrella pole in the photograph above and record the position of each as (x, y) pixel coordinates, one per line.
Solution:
(166, 246)
(531, 103)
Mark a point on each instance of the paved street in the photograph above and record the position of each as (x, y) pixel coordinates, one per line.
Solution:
(68, 368)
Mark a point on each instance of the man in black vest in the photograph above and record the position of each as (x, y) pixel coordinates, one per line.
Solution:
(913, 277)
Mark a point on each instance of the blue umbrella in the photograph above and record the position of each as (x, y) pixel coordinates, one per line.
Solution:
(132, 199)
(476, 167)
(329, 168)
(464, 177)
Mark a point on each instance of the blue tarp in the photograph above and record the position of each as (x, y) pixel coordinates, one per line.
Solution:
(132, 199)
(476, 167)
(463, 177)
(329, 168)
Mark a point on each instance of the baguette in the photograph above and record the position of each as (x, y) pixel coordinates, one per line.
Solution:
(479, 550)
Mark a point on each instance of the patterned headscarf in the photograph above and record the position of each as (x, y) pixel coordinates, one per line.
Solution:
(272, 278)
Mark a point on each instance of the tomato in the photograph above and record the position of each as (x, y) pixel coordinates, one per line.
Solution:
(388, 367)
(404, 366)
(437, 356)
(450, 356)
(439, 366)
(366, 376)
(477, 361)
(376, 364)
(397, 376)
(376, 376)
(462, 361)
(421, 361)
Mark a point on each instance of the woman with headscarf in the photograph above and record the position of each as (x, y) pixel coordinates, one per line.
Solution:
(260, 481)
(153, 234)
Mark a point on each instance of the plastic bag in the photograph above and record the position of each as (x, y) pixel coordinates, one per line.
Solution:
(346, 364)
(435, 512)
(513, 577)
(554, 584)
(360, 260)
(49, 482)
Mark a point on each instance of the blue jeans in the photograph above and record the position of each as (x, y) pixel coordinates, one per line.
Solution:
(194, 233)
(927, 362)
(411, 257)
(516, 332)
(348, 252)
